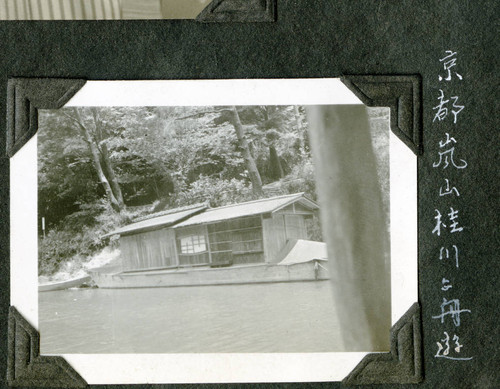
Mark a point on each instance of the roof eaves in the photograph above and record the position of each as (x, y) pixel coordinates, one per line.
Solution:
(300, 196)
(308, 200)
(254, 201)
(196, 211)
(170, 212)
(293, 198)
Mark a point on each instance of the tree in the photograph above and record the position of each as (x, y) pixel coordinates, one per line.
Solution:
(91, 128)
(216, 118)
(281, 127)
(275, 169)
(66, 177)
(299, 119)
(245, 149)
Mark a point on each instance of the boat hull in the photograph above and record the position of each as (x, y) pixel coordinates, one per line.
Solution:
(61, 285)
(245, 274)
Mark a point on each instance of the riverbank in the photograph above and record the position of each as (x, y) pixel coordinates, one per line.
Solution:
(78, 268)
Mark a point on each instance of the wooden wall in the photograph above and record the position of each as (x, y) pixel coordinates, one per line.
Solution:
(238, 241)
(280, 229)
(154, 249)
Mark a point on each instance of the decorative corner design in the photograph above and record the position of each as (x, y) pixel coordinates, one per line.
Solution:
(402, 94)
(25, 96)
(403, 364)
(26, 367)
(239, 11)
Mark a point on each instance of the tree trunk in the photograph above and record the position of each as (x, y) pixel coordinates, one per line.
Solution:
(156, 188)
(117, 206)
(96, 159)
(105, 161)
(300, 129)
(247, 155)
(354, 224)
(275, 168)
(110, 173)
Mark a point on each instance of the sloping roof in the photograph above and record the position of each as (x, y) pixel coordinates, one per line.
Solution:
(249, 208)
(170, 211)
(165, 220)
(305, 251)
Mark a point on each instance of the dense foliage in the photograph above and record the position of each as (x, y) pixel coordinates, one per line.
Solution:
(101, 167)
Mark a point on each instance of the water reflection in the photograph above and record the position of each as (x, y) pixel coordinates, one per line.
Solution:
(286, 317)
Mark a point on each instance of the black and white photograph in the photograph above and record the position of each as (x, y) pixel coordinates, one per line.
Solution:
(204, 222)
(100, 9)
(199, 229)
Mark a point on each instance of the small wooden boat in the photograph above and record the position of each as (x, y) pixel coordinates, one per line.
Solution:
(61, 285)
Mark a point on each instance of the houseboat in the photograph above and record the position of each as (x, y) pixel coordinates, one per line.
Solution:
(258, 241)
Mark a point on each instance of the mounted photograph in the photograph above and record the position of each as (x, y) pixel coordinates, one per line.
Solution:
(244, 220)
(220, 201)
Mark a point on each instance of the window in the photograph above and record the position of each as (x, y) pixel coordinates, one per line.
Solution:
(193, 244)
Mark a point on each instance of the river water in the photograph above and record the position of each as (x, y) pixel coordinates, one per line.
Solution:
(280, 317)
